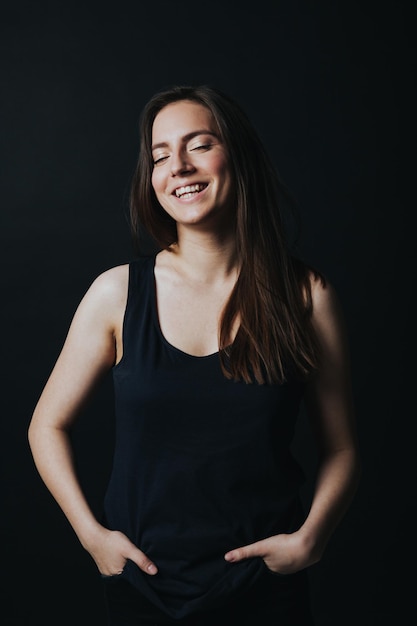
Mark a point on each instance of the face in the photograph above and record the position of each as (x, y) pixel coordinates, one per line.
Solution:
(191, 175)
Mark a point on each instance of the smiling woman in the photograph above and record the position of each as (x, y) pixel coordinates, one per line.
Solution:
(191, 175)
(214, 341)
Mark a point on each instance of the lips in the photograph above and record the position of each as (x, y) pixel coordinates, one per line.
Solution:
(188, 191)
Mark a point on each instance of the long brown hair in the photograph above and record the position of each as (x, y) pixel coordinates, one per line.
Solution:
(272, 296)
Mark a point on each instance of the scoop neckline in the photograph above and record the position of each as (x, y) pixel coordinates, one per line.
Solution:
(158, 325)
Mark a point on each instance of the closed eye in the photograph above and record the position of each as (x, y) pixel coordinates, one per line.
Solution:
(205, 146)
(159, 160)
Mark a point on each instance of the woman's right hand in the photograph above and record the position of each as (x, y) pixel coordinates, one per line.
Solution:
(110, 549)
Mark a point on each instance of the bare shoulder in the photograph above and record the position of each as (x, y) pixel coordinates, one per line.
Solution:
(325, 300)
(107, 295)
(327, 314)
(112, 283)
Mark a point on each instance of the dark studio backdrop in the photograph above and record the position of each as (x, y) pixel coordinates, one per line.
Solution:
(330, 88)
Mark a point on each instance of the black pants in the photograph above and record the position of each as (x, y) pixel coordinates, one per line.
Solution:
(272, 601)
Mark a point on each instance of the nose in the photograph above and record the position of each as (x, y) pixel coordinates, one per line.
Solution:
(180, 164)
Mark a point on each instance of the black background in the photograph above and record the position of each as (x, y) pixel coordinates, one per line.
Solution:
(330, 86)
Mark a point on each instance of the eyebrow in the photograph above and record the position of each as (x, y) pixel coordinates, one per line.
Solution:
(195, 133)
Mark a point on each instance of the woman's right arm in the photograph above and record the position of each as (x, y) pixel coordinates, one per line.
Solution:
(93, 345)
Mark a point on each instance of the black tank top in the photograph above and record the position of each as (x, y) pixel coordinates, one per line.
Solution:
(202, 464)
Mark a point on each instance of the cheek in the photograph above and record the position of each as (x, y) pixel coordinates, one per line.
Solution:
(219, 163)
(220, 166)
(158, 185)
(223, 172)
(155, 181)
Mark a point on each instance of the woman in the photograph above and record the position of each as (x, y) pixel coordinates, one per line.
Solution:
(214, 341)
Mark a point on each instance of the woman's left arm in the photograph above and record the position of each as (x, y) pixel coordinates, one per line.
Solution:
(329, 403)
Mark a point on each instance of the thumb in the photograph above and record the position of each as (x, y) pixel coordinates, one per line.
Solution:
(246, 552)
(143, 562)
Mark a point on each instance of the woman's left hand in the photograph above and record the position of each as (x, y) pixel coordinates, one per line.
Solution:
(282, 554)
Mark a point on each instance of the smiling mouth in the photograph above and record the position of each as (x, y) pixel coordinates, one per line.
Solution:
(189, 190)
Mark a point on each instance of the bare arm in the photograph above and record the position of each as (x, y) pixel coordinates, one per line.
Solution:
(92, 347)
(329, 401)
(330, 407)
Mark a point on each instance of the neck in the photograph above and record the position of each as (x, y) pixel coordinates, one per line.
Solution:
(205, 257)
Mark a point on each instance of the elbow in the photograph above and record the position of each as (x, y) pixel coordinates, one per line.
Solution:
(34, 433)
(31, 435)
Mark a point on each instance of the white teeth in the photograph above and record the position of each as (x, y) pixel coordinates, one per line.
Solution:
(189, 189)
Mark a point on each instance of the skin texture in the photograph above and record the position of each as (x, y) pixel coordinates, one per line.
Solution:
(182, 157)
(193, 281)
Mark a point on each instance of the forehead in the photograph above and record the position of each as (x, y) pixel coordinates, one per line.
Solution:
(181, 118)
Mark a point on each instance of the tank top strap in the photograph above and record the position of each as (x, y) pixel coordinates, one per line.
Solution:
(140, 272)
